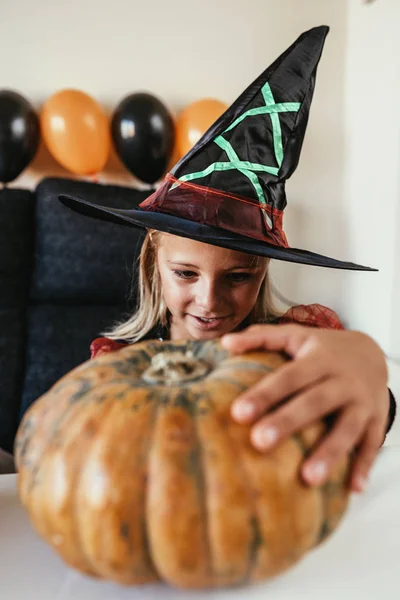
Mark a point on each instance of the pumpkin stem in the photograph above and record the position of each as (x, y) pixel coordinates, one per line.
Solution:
(170, 368)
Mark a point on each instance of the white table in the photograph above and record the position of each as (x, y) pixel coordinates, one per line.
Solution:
(361, 561)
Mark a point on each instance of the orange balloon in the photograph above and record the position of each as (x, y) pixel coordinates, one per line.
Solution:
(194, 121)
(76, 131)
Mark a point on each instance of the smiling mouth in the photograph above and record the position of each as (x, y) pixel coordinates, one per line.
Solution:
(208, 320)
(208, 323)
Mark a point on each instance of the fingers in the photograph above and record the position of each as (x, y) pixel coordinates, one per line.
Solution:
(285, 338)
(366, 454)
(291, 378)
(308, 407)
(337, 444)
(332, 372)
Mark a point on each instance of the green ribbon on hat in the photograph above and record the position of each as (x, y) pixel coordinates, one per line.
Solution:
(247, 168)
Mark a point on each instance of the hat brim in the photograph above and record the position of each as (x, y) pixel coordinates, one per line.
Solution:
(203, 233)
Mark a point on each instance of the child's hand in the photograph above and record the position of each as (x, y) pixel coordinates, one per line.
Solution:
(341, 372)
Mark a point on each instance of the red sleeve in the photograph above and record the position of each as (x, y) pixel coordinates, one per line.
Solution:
(312, 315)
(104, 345)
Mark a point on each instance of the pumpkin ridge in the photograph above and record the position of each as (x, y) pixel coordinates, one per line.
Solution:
(334, 490)
(306, 450)
(77, 425)
(76, 486)
(218, 424)
(331, 491)
(200, 476)
(173, 404)
(247, 366)
(76, 526)
(50, 436)
(257, 540)
(145, 521)
(145, 517)
(242, 387)
(142, 569)
(26, 428)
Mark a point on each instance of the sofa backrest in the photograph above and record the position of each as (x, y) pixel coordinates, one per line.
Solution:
(17, 210)
(67, 278)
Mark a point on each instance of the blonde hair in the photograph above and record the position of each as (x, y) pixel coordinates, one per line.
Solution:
(151, 309)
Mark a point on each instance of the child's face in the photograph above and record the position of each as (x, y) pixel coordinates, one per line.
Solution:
(208, 290)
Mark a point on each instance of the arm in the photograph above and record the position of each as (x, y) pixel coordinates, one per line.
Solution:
(322, 317)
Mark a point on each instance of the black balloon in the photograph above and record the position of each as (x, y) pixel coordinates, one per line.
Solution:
(143, 133)
(19, 134)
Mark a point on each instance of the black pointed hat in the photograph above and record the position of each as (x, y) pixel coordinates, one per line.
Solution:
(229, 189)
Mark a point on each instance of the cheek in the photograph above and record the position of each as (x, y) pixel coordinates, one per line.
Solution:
(174, 294)
(246, 296)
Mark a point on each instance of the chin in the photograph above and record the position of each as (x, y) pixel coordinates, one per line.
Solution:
(208, 335)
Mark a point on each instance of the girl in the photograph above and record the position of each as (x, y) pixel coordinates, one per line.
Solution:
(213, 225)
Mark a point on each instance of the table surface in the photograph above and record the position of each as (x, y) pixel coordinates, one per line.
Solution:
(360, 561)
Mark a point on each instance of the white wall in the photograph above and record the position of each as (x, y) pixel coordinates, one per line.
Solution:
(372, 167)
(179, 50)
(182, 51)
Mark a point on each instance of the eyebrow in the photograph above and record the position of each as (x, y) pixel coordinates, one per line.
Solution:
(183, 264)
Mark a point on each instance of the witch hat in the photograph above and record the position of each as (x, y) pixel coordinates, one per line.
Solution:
(229, 189)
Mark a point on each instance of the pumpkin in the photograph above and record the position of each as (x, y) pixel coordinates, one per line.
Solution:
(132, 468)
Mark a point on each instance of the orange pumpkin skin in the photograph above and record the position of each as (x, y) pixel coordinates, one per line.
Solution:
(134, 480)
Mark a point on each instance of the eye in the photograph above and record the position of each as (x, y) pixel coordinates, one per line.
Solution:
(185, 274)
(239, 277)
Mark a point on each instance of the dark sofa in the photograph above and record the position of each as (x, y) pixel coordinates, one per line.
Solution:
(63, 279)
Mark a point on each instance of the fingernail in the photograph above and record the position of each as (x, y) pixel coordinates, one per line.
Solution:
(361, 483)
(243, 410)
(315, 472)
(265, 437)
(227, 338)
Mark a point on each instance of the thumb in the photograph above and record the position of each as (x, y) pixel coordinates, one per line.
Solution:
(284, 338)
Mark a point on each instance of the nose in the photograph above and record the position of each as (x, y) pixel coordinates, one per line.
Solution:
(208, 296)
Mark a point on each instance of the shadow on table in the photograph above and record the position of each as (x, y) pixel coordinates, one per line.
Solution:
(6, 463)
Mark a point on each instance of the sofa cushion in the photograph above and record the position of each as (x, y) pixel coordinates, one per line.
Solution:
(17, 208)
(79, 260)
(59, 338)
(81, 283)
(64, 278)
(12, 362)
